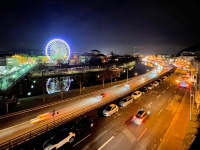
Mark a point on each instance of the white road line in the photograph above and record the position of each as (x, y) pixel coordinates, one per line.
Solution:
(15, 126)
(169, 99)
(105, 143)
(167, 87)
(149, 104)
(95, 140)
(81, 140)
(137, 101)
(159, 112)
(158, 96)
(142, 134)
(163, 91)
(120, 113)
(150, 92)
(129, 135)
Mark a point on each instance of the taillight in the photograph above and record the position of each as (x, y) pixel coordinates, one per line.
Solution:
(134, 117)
(141, 120)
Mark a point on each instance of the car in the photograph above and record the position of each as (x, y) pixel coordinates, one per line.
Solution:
(59, 139)
(140, 117)
(41, 117)
(159, 81)
(115, 86)
(127, 85)
(150, 86)
(102, 95)
(111, 109)
(126, 101)
(164, 78)
(143, 89)
(82, 124)
(155, 83)
(187, 79)
(136, 94)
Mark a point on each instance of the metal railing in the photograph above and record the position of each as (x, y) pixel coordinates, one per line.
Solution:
(40, 130)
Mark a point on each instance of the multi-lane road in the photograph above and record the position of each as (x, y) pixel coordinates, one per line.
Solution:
(118, 132)
(17, 125)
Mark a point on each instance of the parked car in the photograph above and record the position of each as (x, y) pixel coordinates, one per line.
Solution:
(155, 83)
(136, 94)
(111, 109)
(165, 77)
(143, 89)
(126, 101)
(150, 86)
(82, 124)
(159, 81)
(68, 135)
(59, 139)
(140, 117)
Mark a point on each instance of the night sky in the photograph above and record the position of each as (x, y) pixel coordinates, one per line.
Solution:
(121, 26)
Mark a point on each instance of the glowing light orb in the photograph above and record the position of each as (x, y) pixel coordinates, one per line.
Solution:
(54, 85)
(58, 50)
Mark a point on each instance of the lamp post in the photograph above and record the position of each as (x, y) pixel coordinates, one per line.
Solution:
(43, 87)
(190, 102)
(127, 75)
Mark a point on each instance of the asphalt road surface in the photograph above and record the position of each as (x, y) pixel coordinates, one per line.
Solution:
(15, 126)
(117, 132)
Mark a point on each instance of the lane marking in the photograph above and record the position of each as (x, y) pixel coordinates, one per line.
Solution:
(129, 135)
(105, 143)
(169, 99)
(163, 91)
(168, 87)
(137, 101)
(159, 112)
(158, 96)
(95, 140)
(142, 134)
(81, 140)
(120, 113)
(149, 104)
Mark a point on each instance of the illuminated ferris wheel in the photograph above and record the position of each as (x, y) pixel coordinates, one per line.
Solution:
(58, 50)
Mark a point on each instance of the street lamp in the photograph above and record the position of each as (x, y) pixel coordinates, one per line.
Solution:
(127, 75)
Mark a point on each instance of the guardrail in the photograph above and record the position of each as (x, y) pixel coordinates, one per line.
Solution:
(38, 131)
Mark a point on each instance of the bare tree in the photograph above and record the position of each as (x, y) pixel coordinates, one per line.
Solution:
(61, 86)
(108, 75)
(81, 80)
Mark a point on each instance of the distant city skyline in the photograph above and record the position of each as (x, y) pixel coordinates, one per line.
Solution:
(123, 27)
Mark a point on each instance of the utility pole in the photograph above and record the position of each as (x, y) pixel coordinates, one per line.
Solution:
(127, 75)
(190, 102)
(43, 86)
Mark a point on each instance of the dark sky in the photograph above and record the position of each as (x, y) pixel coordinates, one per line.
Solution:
(121, 26)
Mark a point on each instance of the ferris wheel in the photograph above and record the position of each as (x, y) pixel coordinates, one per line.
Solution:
(58, 50)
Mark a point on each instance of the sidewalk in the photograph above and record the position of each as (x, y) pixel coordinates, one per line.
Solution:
(174, 137)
